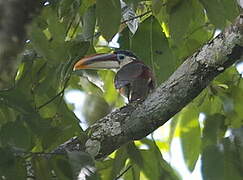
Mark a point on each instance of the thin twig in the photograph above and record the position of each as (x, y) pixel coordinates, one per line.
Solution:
(135, 17)
(26, 155)
(61, 93)
(52, 99)
(46, 153)
(123, 172)
(75, 29)
(69, 26)
(123, 22)
(195, 30)
(94, 35)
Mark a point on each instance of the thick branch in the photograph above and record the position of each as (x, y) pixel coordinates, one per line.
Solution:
(135, 121)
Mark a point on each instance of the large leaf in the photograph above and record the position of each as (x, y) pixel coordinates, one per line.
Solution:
(187, 26)
(61, 167)
(213, 130)
(89, 20)
(109, 17)
(155, 167)
(17, 100)
(218, 11)
(83, 165)
(238, 140)
(6, 114)
(132, 173)
(41, 168)
(16, 134)
(180, 16)
(232, 164)
(221, 161)
(105, 167)
(151, 45)
(95, 108)
(50, 42)
(11, 167)
(190, 135)
(110, 94)
(212, 163)
(118, 163)
(135, 154)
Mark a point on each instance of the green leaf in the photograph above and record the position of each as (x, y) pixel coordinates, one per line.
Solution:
(83, 165)
(154, 49)
(221, 161)
(41, 44)
(214, 130)
(89, 21)
(50, 42)
(68, 8)
(219, 11)
(133, 173)
(233, 102)
(77, 49)
(110, 94)
(41, 168)
(125, 39)
(118, 163)
(109, 17)
(186, 26)
(135, 154)
(89, 87)
(238, 140)
(67, 122)
(104, 168)
(173, 124)
(155, 167)
(6, 114)
(12, 167)
(231, 9)
(15, 134)
(199, 31)
(208, 103)
(180, 16)
(212, 163)
(232, 165)
(151, 165)
(54, 124)
(17, 100)
(95, 108)
(51, 136)
(61, 167)
(85, 5)
(190, 135)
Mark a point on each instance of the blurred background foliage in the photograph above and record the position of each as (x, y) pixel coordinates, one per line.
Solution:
(35, 117)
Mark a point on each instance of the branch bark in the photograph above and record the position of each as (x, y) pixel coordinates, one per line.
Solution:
(135, 121)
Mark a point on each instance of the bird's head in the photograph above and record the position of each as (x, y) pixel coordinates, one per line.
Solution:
(115, 60)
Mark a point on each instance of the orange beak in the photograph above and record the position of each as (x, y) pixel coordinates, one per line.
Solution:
(98, 61)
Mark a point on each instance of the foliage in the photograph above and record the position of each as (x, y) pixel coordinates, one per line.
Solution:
(35, 119)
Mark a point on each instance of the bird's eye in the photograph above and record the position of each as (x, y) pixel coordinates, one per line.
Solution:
(121, 57)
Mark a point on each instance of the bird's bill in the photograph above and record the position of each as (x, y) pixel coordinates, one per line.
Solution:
(98, 61)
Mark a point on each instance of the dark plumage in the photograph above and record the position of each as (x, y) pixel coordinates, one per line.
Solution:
(134, 79)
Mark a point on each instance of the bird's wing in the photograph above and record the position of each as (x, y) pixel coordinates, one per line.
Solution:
(128, 74)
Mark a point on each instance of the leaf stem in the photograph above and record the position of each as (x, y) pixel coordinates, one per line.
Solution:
(123, 172)
(52, 99)
(135, 17)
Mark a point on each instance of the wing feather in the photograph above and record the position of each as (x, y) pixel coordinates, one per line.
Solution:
(128, 74)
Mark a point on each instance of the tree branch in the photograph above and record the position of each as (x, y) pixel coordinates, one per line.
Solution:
(136, 121)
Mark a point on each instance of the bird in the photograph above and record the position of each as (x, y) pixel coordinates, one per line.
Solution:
(133, 79)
